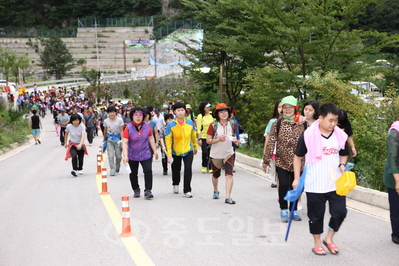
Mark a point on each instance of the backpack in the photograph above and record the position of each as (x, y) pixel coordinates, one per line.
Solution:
(215, 127)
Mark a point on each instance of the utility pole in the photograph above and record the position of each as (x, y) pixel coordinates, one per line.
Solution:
(124, 56)
(222, 77)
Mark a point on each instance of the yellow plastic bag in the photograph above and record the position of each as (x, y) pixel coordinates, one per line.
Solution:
(345, 183)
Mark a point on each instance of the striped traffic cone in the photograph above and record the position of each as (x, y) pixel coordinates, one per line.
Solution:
(104, 181)
(98, 164)
(126, 229)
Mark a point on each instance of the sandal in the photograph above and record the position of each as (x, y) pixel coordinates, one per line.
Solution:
(318, 249)
(331, 247)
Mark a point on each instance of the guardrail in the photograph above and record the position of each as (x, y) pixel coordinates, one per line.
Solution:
(76, 80)
(162, 70)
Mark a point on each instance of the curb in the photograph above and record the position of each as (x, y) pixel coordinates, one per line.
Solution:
(365, 195)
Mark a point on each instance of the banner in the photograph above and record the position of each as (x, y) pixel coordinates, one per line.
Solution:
(139, 44)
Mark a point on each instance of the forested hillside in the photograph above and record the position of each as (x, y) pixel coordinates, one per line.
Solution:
(64, 13)
(382, 16)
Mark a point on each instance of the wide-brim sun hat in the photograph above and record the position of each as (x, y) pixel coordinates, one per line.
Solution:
(220, 107)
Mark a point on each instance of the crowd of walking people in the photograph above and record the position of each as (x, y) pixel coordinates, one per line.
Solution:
(318, 139)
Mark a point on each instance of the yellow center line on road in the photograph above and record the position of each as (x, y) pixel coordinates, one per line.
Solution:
(136, 251)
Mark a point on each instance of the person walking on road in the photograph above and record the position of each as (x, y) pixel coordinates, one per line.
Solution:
(284, 136)
(35, 124)
(181, 144)
(113, 131)
(63, 120)
(102, 115)
(272, 166)
(90, 123)
(204, 119)
(76, 149)
(323, 144)
(137, 141)
(391, 178)
(221, 133)
(168, 118)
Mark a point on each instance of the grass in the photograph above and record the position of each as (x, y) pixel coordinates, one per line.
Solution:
(255, 150)
(13, 128)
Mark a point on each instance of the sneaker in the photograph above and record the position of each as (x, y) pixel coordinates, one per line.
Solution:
(39, 141)
(210, 171)
(176, 189)
(296, 216)
(74, 173)
(165, 172)
(284, 216)
(90, 144)
(148, 194)
(80, 172)
(229, 201)
(273, 185)
(215, 194)
(137, 193)
(62, 144)
(112, 174)
(203, 169)
(117, 170)
(188, 195)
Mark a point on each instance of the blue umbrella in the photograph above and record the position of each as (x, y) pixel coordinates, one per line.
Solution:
(290, 220)
(293, 196)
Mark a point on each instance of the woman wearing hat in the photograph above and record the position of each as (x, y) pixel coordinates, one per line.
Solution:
(203, 120)
(221, 133)
(285, 132)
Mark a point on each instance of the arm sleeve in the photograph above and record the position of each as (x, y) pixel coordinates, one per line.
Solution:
(301, 149)
(269, 126)
(126, 133)
(169, 138)
(344, 152)
(194, 137)
(348, 129)
(393, 152)
(199, 123)
(150, 134)
(210, 130)
(271, 143)
(237, 128)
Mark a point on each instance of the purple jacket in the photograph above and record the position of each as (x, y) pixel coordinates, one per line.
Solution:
(138, 148)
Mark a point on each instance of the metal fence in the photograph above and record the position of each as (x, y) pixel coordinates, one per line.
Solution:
(115, 22)
(33, 33)
(159, 32)
(165, 30)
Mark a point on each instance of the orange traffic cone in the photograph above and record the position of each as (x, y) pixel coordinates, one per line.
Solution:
(126, 229)
(105, 184)
(98, 164)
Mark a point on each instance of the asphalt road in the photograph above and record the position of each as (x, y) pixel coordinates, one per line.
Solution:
(48, 217)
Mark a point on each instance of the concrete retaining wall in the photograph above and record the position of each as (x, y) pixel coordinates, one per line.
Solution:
(365, 195)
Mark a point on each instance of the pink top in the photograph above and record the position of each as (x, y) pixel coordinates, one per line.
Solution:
(314, 144)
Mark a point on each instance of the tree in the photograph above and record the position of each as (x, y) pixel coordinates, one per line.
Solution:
(296, 36)
(55, 58)
(7, 61)
(24, 65)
